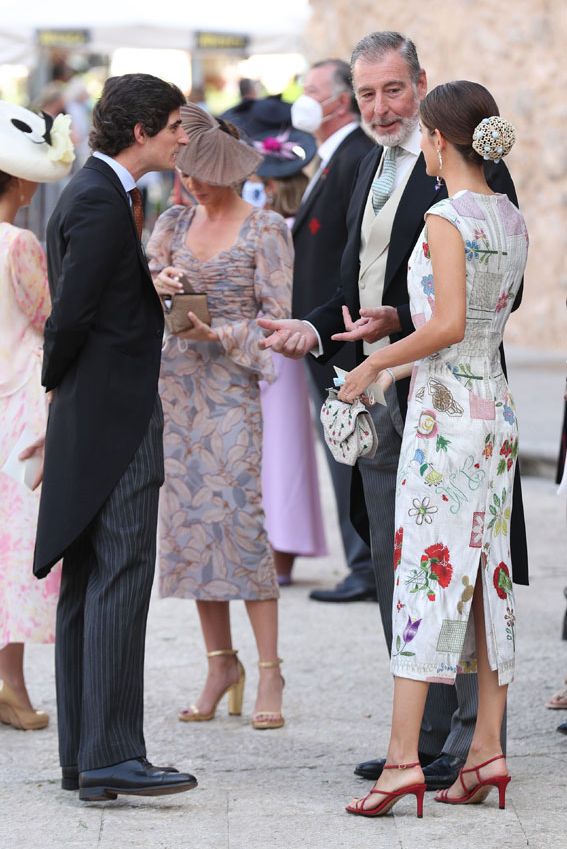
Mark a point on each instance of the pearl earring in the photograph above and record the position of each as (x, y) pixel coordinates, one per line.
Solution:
(439, 180)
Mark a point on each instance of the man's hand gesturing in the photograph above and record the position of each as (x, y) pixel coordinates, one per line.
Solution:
(289, 337)
(373, 324)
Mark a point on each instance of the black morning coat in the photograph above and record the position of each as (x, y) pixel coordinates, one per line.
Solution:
(319, 238)
(102, 355)
(420, 193)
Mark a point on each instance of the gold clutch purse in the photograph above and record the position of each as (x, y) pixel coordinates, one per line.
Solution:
(176, 307)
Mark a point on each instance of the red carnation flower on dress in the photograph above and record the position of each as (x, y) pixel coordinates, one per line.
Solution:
(444, 573)
(501, 580)
(438, 557)
(398, 540)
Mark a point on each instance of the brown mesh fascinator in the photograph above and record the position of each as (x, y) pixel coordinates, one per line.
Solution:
(211, 154)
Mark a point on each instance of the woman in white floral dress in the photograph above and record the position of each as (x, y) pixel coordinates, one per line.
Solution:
(460, 443)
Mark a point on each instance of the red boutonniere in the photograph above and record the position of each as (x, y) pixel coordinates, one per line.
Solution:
(314, 226)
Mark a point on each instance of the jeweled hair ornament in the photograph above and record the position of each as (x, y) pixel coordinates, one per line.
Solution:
(493, 138)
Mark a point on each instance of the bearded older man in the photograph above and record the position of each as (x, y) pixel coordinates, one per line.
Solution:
(390, 196)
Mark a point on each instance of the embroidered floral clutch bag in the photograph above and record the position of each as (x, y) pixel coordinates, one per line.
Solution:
(349, 430)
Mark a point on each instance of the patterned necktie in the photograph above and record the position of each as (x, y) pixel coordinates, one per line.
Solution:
(383, 185)
(137, 210)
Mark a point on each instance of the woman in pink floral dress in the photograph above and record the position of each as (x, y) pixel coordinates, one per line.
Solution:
(27, 606)
(213, 544)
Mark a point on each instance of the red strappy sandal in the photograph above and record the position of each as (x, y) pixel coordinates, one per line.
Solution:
(390, 799)
(477, 794)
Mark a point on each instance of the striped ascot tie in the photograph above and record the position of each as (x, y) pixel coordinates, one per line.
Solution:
(383, 185)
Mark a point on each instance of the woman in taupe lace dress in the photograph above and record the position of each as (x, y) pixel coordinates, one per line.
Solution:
(213, 544)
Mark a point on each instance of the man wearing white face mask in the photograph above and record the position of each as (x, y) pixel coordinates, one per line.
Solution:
(328, 109)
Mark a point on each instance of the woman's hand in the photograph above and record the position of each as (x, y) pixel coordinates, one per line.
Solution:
(357, 381)
(33, 450)
(167, 281)
(200, 332)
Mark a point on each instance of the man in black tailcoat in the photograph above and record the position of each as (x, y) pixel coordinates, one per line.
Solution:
(104, 451)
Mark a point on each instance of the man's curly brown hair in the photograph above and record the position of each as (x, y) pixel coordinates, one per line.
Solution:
(126, 101)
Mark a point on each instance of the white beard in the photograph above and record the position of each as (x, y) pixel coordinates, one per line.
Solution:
(405, 130)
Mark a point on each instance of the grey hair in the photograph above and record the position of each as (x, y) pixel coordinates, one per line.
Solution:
(373, 48)
(341, 79)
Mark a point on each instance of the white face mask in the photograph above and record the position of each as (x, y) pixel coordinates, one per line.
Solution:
(254, 193)
(306, 114)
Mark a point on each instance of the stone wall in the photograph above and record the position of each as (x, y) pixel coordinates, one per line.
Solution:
(517, 49)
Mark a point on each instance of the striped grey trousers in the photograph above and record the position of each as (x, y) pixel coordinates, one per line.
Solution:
(101, 617)
(450, 712)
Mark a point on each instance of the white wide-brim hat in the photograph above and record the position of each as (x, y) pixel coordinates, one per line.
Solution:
(34, 147)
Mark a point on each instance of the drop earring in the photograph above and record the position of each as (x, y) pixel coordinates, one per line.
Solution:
(439, 179)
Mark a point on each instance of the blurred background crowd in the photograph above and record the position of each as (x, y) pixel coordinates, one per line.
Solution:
(58, 57)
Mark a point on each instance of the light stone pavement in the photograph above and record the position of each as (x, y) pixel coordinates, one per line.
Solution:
(286, 789)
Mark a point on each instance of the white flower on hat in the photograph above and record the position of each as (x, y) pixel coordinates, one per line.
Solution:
(61, 147)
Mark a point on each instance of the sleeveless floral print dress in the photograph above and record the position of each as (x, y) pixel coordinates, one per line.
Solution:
(459, 450)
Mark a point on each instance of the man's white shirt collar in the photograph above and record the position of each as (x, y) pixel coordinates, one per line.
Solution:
(128, 182)
(412, 143)
(328, 147)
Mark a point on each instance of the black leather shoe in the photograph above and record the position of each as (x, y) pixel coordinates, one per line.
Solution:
(351, 589)
(373, 769)
(131, 778)
(562, 728)
(443, 772)
(70, 774)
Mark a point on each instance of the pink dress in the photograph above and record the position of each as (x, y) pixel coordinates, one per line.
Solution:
(27, 606)
(290, 485)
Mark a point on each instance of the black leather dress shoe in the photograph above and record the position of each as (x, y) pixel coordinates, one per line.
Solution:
(131, 778)
(373, 769)
(562, 728)
(443, 772)
(70, 774)
(351, 589)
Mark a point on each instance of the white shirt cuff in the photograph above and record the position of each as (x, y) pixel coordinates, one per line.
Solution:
(316, 352)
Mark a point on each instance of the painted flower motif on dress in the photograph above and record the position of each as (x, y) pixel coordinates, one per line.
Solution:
(510, 621)
(500, 514)
(502, 581)
(408, 635)
(508, 454)
(434, 571)
(427, 424)
(488, 449)
(423, 511)
(427, 285)
(477, 529)
(473, 249)
(425, 249)
(398, 542)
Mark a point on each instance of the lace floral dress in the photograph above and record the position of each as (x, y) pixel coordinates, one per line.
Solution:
(27, 606)
(212, 538)
(459, 450)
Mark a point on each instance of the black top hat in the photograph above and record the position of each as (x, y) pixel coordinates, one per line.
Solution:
(253, 117)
